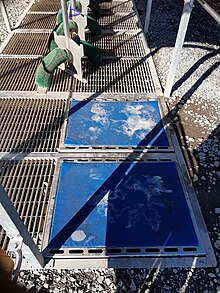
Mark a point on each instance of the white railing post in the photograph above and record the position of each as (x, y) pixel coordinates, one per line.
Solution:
(187, 9)
(147, 17)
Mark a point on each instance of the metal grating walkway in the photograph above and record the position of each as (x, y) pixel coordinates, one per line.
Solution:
(42, 146)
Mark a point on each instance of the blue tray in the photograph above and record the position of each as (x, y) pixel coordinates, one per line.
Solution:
(93, 123)
(121, 205)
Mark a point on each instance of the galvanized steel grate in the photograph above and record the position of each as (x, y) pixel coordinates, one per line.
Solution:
(30, 124)
(45, 6)
(38, 21)
(14, 73)
(28, 184)
(17, 74)
(27, 44)
(117, 76)
(116, 6)
(120, 45)
(119, 22)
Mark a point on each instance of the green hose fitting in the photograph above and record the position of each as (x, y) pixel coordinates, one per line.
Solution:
(46, 68)
(92, 52)
(93, 26)
(59, 29)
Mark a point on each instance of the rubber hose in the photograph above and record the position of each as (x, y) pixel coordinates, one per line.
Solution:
(93, 26)
(46, 68)
(59, 29)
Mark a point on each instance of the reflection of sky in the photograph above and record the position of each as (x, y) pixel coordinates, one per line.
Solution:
(127, 204)
(114, 123)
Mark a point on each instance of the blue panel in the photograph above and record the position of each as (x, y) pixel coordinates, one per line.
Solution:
(116, 205)
(115, 124)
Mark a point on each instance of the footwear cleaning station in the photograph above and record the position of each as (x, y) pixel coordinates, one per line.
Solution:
(91, 170)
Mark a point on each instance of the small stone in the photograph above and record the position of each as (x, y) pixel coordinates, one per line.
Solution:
(42, 277)
(216, 164)
(217, 210)
(217, 244)
(46, 286)
(211, 275)
(195, 178)
(108, 282)
(100, 279)
(203, 178)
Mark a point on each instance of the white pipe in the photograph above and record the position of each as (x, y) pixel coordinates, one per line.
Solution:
(210, 11)
(187, 9)
(65, 23)
(147, 17)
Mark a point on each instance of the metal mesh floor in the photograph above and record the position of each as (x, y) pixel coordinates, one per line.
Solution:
(117, 76)
(39, 21)
(46, 6)
(116, 6)
(119, 22)
(14, 72)
(28, 184)
(120, 45)
(27, 44)
(30, 124)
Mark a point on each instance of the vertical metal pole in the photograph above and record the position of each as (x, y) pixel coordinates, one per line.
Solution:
(187, 9)
(14, 227)
(5, 16)
(147, 17)
(65, 23)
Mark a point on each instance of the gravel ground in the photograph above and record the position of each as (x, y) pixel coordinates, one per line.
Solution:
(195, 110)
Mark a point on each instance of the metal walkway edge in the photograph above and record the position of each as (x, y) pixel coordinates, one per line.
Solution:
(50, 143)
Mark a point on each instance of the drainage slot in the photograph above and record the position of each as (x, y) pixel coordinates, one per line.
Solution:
(171, 249)
(189, 249)
(95, 251)
(76, 251)
(133, 250)
(114, 250)
(152, 250)
(56, 251)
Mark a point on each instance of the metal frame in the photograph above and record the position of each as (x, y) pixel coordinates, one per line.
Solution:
(203, 257)
(11, 222)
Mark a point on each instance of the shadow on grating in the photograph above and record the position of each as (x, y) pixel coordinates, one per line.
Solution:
(30, 125)
(119, 22)
(48, 6)
(117, 76)
(28, 184)
(116, 6)
(14, 72)
(38, 21)
(27, 44)
(119, 45)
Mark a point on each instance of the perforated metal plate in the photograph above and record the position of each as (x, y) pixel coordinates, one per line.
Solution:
(117, 76)
(28, 184)
(116, 6)
(14, 72)
(46, 6)
(27, 44)
(30, 125)
(119, 22)
(38, 21)
(120, 45)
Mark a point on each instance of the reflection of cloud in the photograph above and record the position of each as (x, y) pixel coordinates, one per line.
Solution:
(151, 210)
(95, 131)
(136, 123)
(139, 121)
(100, 114)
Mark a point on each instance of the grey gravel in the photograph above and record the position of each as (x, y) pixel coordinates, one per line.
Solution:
(196, 98)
